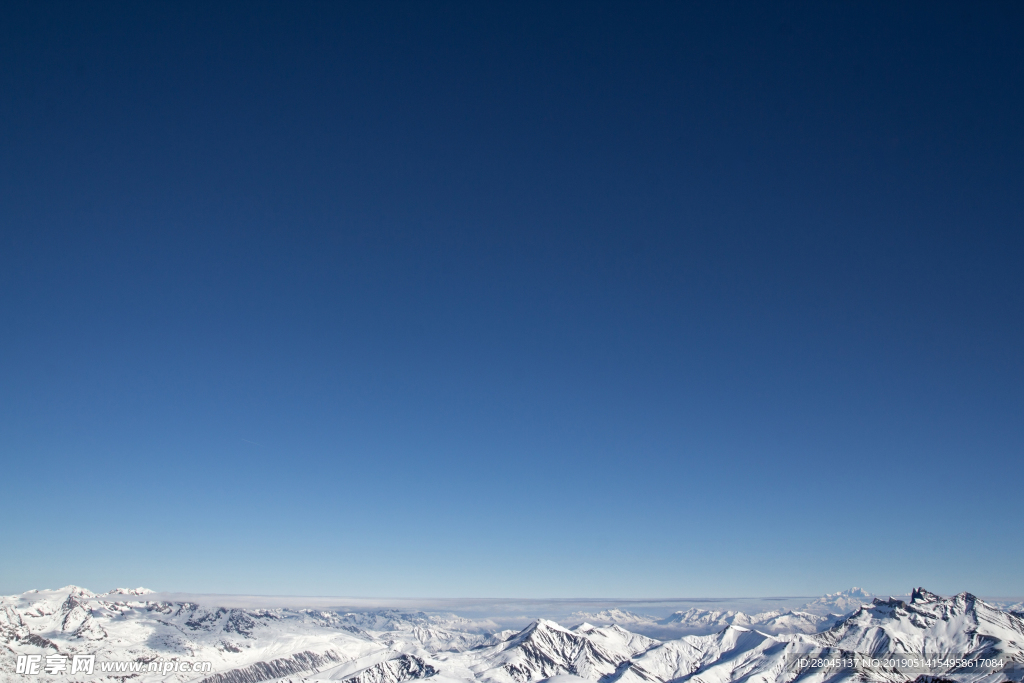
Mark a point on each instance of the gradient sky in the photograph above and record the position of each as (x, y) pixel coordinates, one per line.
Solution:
(517, 300)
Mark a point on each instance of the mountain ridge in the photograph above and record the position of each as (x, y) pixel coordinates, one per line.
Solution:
(390, 646)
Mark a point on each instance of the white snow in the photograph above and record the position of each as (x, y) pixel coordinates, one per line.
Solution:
(391, 646)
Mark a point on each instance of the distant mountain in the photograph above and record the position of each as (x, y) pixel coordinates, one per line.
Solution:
(256, 645)
(1016, 607)
(613, 616)
(842, 602)
(817, 616)
(431, 631)
(698, 621)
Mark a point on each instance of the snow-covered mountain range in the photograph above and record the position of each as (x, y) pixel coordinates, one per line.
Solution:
(696, 621)
(389, 646)
(813, 617)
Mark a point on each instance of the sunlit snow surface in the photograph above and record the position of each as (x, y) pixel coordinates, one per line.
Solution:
(249, 640)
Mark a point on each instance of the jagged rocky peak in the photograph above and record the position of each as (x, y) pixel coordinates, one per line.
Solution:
(921, 601)
(924, 601)
(920, 595)
(928, 623)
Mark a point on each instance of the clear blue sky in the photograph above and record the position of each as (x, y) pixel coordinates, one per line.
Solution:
(520, 300)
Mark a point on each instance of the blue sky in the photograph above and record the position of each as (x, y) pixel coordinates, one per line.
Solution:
(513, 300)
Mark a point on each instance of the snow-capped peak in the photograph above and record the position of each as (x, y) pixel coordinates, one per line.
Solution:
(842, 602)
